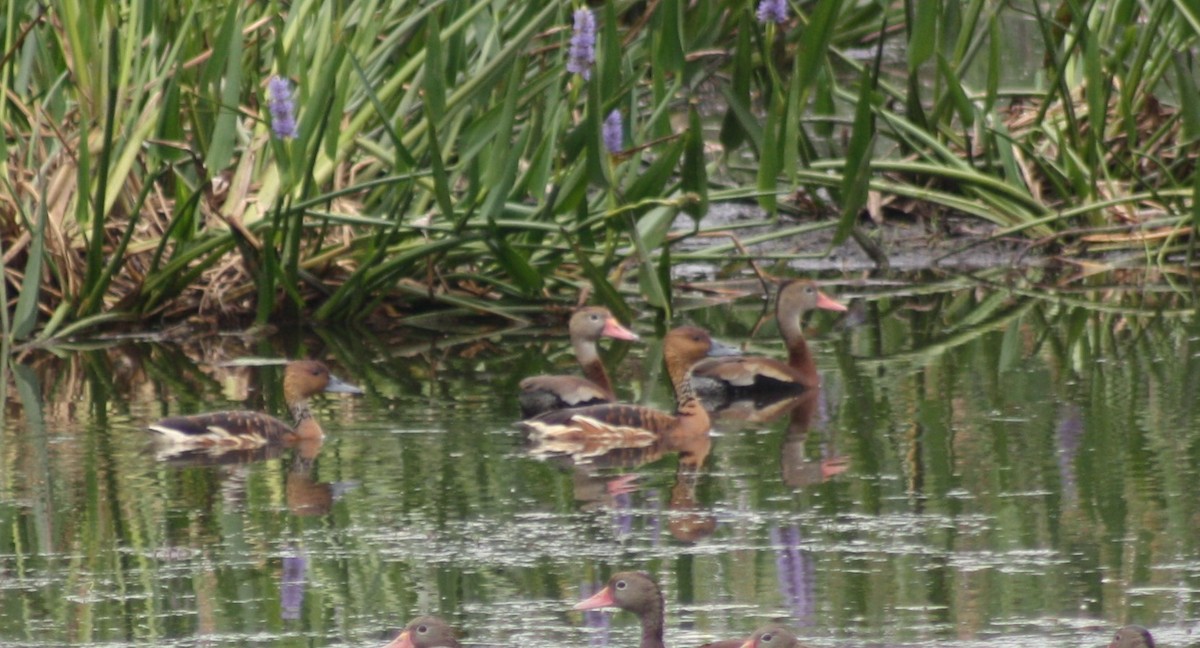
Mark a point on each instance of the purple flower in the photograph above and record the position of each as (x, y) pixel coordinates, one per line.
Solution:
(612, 132)
(582, 51)
(283, 108)
(775, 11)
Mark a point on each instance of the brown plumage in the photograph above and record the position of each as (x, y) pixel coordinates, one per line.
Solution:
(637, 592)
(772, 636)
(426, 632)
(627, 424)
(634, 592)
(547, 393)
(725, 379)
(1132, 636)
(242, 429)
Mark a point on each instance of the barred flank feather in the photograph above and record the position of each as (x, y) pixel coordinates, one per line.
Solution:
(233, 429)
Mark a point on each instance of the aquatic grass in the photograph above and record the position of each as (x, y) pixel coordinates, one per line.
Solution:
(460, 147)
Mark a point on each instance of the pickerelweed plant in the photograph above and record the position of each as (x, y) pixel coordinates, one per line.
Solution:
(453, 155)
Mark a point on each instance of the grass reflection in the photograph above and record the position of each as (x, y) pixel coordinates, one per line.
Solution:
(1003, 464)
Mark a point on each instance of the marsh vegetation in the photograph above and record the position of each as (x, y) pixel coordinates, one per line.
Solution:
(450, 155)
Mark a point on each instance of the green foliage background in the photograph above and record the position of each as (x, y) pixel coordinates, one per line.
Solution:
(447, 159)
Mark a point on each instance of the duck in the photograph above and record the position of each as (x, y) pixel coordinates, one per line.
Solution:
(541, 394)
(772, 636)
(1132, 636)
(634, 425)
(426, 632)
(302, 379)
(725, 379)
(637, 592)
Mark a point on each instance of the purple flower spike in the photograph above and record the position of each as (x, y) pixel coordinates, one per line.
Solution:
(612, 132)
(582, 51)
(775, 11)
(283, 108)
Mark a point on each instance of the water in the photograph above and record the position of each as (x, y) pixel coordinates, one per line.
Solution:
(981, 469)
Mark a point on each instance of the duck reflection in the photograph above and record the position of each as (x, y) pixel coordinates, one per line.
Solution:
(305, 495)
(796, 468)
(597, 489)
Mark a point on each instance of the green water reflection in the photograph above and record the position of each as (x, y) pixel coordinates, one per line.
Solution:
(981, 468)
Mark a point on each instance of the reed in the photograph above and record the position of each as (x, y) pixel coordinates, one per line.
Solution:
(454, 154)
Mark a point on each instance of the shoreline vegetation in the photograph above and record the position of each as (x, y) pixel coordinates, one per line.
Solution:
(328, 162)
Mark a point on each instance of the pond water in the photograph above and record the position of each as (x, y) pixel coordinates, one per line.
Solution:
(984, 466)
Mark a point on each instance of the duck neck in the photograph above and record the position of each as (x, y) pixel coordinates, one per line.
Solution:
(593, 368)
(305, 426)
(800, 358)
(652, 624)
(688, 408)
(681, 380)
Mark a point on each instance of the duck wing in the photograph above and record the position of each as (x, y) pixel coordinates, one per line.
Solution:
(235, 429)
(541, 394)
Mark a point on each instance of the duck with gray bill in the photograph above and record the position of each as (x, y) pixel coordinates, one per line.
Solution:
(302, 379)
(682, 348)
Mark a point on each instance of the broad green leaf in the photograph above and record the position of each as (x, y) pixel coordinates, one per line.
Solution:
(598, 169)
(669, 53)
(695, 172)
(605, 291)
(816, 42)
(653, 180)
(733, 134)
(653, 289)
(923, 34)
(515, 264)
(610, 52)
(25, 313)
(857, 175)
(958, 95)
(1189, 100)
(768, 162)
(224, 134)
(441, 182)
(434, 77)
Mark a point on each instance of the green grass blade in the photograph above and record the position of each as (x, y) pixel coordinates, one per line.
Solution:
(224, 134)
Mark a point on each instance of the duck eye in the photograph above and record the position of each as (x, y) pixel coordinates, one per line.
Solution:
(422, 629)
(767, 637)
(621, 584)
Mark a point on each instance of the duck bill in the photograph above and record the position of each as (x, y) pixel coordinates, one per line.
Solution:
(720, 349)
(827, 302)
(339, 386)
(403, 641)
(613, 329)
(750, 643)
(603, 598)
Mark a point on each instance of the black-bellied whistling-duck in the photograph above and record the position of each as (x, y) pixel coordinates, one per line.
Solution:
(426, 632)
(637, 592)
(772, 636)
(302, 379)
(634, 592)
(682, 347)
(547, 393)
(1132, 636)
(720, 380)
